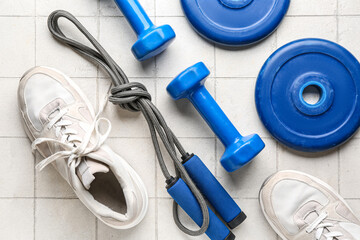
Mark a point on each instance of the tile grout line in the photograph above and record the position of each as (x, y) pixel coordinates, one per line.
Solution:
(215, 137)
(129, 137)
(34, 160)
(35, 198)
(97, 94)
(96, 228)
(98, 67)
(277, 152)
(277, 145)
(156, 172)
(339, 169)
(216, 159)
(144, 77)
(76, 198)
(145, 137)
(173, 16)
(42, 198)
(156, 168)
(216, 99)
(238, 198)
(337, 22)
(156, 199)
(339, 148)
(155, 58)
(215, 68)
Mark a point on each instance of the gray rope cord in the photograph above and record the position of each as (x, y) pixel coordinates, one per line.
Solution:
(133, 96)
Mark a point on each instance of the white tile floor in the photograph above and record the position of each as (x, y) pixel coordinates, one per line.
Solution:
(41, 206)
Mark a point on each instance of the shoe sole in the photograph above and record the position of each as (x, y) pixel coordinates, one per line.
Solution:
(318, 181)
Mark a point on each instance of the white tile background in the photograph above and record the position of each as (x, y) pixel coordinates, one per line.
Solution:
(41, 206)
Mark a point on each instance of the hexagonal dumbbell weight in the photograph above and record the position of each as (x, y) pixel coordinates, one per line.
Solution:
(152, 40)
(239, 150)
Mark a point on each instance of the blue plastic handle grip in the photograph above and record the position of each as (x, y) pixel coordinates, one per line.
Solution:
(135, 14)
(213, 191)
(183, 196)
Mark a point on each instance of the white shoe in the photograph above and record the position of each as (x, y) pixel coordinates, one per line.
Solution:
(63, 127)
(301, 207)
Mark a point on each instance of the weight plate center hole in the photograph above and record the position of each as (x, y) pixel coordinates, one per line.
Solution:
(312, 94)
(236, 3)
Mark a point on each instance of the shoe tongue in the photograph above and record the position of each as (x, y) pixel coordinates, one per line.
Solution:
(87, 169)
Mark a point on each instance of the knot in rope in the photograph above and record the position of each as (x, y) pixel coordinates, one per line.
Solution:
(127, 95)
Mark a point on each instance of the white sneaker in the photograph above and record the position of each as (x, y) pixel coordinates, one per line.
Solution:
(301, 207)
(63, 127)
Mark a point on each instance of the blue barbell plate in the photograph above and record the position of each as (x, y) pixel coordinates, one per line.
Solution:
(310, 127)
(235, 22)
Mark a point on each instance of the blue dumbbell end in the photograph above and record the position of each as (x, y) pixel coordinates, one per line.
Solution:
(153, 42)
(188, 80)
(241, 152)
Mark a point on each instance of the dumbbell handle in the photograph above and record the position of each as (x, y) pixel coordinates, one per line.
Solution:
(214, 116)
(135, 14)
(214, 192)
(183, 196)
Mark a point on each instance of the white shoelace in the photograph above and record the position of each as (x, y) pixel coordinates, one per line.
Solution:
(76, 148)
(70, 139)
(319, 225)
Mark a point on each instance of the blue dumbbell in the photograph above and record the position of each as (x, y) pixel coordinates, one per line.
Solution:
(152, 40)
(239, 150)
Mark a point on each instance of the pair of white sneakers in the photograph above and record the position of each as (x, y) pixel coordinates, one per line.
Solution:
(62, 125)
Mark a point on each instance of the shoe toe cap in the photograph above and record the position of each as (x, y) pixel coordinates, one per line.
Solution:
(38, 88)
(284, 193)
